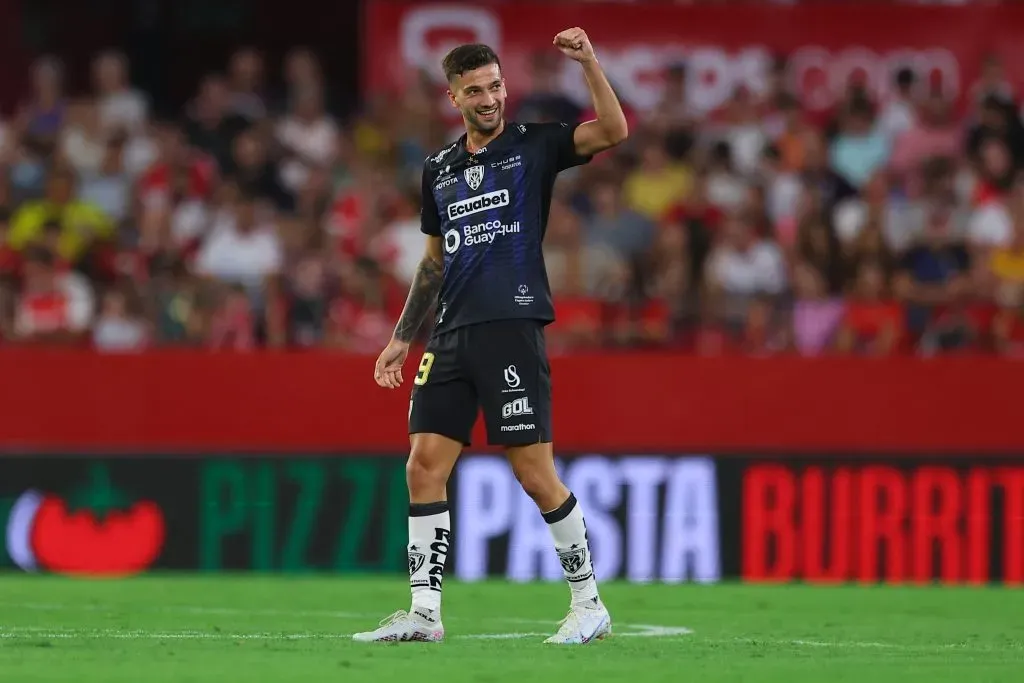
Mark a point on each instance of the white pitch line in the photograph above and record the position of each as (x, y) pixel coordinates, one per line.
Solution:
(42, 633)
(188, 609)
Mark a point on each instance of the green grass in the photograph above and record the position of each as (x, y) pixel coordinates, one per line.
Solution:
(245, 629)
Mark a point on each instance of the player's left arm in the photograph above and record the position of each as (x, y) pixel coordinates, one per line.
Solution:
(609, 128)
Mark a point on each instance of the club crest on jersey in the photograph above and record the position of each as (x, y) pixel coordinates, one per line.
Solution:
(474, 176)
(572, 560)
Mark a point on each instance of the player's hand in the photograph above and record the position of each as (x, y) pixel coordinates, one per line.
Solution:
(388, 371)
(574, 43)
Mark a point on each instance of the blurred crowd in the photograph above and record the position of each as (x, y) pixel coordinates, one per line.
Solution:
(260, 217)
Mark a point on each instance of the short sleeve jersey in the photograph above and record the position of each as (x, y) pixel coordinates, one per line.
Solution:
(491, 210)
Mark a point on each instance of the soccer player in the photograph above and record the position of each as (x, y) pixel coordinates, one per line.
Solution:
(486, 199)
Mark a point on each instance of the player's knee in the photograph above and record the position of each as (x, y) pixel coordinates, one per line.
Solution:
(542, 485)
(426, 476)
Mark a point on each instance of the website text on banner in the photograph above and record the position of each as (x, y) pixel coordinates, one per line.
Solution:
(724, 47)
(604, 403)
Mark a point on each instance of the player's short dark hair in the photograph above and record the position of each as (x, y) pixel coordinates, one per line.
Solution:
(466, 58)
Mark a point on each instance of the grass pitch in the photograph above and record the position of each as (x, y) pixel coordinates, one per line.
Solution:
(194, 629)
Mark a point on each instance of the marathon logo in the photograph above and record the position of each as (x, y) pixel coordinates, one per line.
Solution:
(467, 207)
(518, 428)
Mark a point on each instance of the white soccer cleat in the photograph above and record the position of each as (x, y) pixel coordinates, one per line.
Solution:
(402, 627)
(583, 624)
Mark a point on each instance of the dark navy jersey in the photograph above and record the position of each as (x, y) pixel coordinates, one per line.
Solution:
(491, 210)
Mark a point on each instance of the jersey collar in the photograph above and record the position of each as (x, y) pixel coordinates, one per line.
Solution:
(496, 143)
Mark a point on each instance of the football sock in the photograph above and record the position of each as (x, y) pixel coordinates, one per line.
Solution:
(429, 540)
(569, 532)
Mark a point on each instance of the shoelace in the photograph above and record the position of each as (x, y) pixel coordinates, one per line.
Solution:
(570, 625)
(389, 620)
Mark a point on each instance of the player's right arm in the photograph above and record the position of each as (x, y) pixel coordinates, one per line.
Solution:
(422, 294)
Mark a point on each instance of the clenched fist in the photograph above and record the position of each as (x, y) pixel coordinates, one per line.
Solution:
(574, 43)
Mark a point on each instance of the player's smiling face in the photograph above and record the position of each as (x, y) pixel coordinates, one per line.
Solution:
(480, 96)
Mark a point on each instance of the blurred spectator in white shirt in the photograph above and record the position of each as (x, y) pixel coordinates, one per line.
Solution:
(744, 133)
(117, 328)
(743, 266)
(241, 247)
(308, 136)
(899, 113)
(120, 107)
(109, 187)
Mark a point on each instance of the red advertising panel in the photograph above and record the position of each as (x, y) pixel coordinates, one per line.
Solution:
(891, 521)
(625, 403)
(725, 47)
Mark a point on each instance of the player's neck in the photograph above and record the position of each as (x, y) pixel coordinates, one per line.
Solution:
(477, 140)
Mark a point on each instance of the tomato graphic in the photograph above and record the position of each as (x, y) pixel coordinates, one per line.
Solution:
(125, 542)
(107, 536)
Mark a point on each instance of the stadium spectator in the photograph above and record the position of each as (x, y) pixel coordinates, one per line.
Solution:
(118, 328)
(657, 182)
(860, 149)
(80, 224)
(270, 212)
(873, 322)
(246, 84)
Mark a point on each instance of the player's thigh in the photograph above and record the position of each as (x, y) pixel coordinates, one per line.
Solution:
(444, 401)
(513, 380)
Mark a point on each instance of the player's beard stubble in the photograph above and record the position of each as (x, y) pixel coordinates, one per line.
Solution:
(479, 119)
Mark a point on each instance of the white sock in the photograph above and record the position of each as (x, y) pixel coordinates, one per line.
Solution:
(429, 540)
(569, 532)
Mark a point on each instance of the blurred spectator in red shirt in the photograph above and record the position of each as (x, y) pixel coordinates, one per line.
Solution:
(233, 326)
(1008, 325)
(362, 319)
(873, 322)
(54, 307)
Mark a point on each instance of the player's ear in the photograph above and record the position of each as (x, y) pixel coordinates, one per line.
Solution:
(451, 98)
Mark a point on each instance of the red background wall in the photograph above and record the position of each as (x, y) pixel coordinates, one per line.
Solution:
(634, 402)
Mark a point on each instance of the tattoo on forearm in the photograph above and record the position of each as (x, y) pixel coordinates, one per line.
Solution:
(422, 295)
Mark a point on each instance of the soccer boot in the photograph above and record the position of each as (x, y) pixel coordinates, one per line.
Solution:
(584, 623)
(403, 627)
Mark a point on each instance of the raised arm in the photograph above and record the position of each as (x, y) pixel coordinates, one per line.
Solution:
(609, 128)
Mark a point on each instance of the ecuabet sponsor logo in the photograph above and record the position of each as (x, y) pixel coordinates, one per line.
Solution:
(467, 207)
